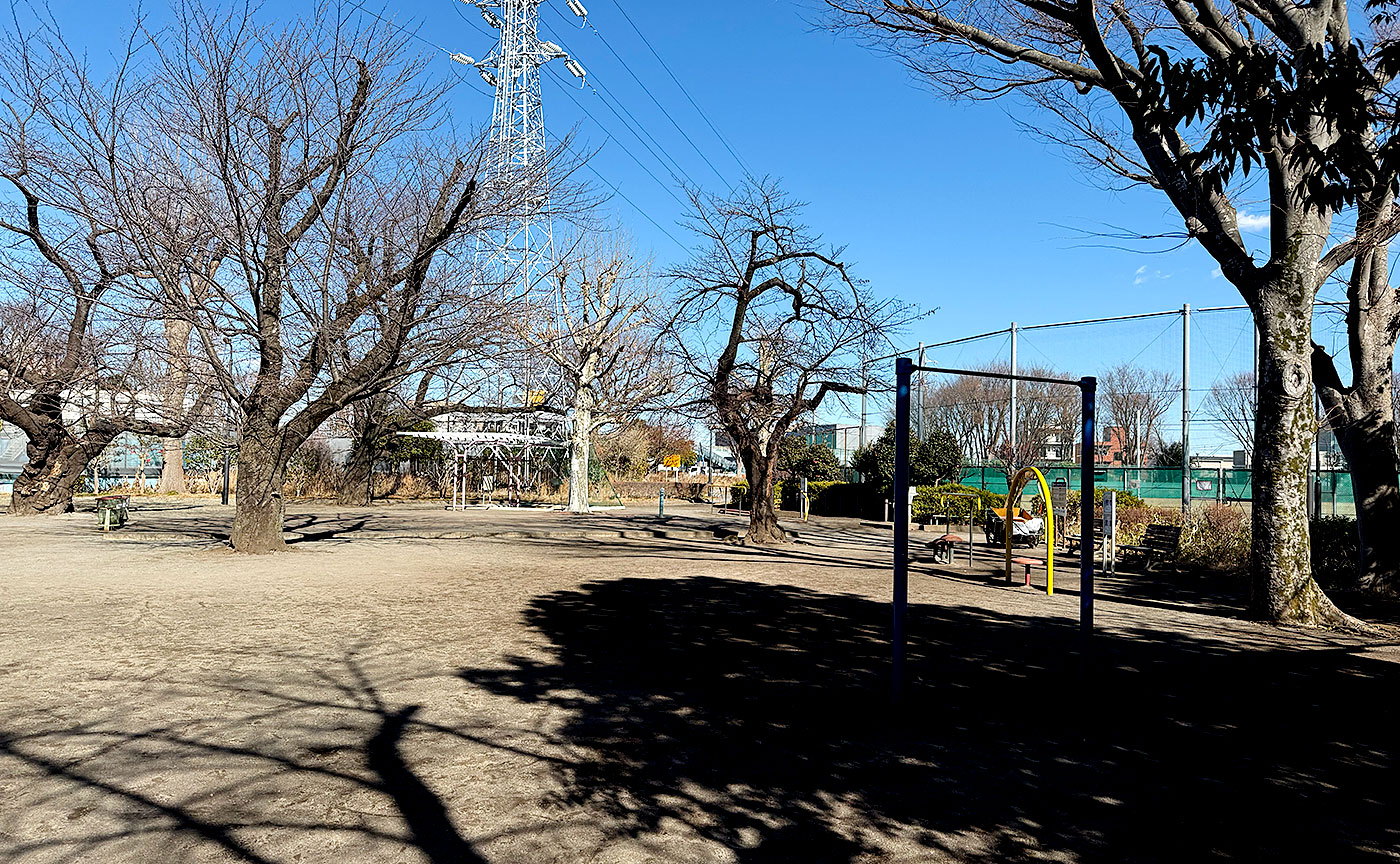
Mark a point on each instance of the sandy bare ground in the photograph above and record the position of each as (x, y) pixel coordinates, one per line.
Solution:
(409, 685)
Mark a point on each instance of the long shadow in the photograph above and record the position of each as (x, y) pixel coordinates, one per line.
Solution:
(320, 741)
(757, 715)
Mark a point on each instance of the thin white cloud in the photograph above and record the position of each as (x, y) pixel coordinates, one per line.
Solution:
(1142, 275)
(1217, 273)
(1253, 221)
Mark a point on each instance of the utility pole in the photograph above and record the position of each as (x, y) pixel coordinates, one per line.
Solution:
(1186, 408)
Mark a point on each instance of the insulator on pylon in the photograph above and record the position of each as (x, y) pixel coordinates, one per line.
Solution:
(577, 8)
(488, 77)
(463, 59)
(575, 69)
(490, 17)
(552, 49)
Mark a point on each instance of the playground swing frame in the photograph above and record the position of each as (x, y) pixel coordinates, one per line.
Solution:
(904, 370)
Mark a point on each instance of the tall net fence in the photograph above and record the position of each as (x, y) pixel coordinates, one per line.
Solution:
(1141, 362)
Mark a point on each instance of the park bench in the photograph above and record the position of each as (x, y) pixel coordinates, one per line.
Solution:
(1159, 543)
(112, 511)
(1073, 539)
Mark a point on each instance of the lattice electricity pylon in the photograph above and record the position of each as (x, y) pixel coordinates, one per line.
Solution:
(521, 253)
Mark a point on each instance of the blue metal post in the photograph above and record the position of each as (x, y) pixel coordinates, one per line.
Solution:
(661, 504)
(1087, 389)
(903, 371)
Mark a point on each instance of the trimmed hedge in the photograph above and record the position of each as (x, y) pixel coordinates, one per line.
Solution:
(939, 500)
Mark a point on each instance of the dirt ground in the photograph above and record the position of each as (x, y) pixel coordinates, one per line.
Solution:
(411, 685)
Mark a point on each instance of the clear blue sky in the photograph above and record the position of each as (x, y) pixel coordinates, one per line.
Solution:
(944, 205)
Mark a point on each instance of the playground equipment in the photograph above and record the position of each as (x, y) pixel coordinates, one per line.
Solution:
(904, 369)
(1018, 483)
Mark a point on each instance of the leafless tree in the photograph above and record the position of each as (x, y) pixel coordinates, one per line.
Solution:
(341, 205)
(1231, 401)
(1180, 96)
(1135, 399)
(79, 357)
(768, 324)
(976, 412)
(600, 330)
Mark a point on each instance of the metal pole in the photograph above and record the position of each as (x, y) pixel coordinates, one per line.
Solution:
(919, 417)
(710, 471)
(1186, 408)
(903, 371)
(228, 454)
(1012, 421)
(1087, 388)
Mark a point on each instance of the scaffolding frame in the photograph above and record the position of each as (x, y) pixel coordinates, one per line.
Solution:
(521, 445)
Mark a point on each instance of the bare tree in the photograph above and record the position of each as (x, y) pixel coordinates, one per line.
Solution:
(768, 324)
(77, 349)
(976, 411)
(341, 206)
(1231, 401)
(1186, 97)
(1135, 399)
(601, 332)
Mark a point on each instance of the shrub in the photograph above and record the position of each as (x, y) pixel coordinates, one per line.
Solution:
(938, 500)
(1216, 538)
(1336, 551)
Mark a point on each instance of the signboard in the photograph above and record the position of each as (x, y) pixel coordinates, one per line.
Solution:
(672, 461)
(1059, 496)
(1205, 485)
(1110, 513)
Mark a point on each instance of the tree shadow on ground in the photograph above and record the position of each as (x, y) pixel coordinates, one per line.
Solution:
(757, 716)
(353, 743)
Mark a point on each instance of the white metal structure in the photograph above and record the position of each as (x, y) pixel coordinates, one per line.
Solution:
(523, 251)
(524, 449)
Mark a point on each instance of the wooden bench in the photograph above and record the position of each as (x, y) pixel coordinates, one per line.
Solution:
(1072, 540)
(1159, 543)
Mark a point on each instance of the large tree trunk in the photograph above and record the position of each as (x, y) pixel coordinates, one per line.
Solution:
(1363, 414)
(57, 464)
(578, 459)
(355, 488)
(1370, 451)
(258, 514)
(172, 450)
(763, 512)
(1283, 589)
(172, 466)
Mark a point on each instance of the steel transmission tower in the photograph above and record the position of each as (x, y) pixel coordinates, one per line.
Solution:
(522, 251)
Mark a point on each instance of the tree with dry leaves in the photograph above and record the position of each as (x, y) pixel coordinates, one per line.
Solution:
(600, 329)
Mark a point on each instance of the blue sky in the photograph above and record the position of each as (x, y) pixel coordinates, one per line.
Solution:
(948, 206)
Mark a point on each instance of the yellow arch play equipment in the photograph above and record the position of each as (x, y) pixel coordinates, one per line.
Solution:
(1014, 492)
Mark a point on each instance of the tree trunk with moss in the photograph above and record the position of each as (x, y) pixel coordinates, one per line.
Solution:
(1282, 586)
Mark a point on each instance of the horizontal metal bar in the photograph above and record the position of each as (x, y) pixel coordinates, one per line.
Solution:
(1005, 376)
(1101, 320)
(941, 344)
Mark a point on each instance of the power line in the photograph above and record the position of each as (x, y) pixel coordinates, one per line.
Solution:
(678, 83)
(569, 92)
(689, 139)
